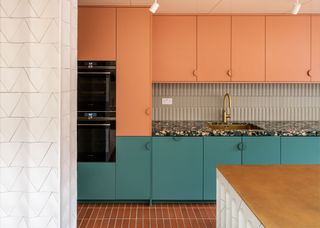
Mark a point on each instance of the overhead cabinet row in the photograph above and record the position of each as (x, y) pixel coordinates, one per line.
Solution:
(236, 48)
(210, 48)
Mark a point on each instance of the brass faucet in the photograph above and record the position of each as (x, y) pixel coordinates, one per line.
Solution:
(226, 108)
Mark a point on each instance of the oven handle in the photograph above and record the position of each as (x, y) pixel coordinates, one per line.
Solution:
(107, 73)
(106, 125)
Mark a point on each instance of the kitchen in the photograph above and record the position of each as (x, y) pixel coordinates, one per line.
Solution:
(163, 111)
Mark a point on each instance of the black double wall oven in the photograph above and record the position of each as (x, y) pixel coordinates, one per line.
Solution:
(96, 111)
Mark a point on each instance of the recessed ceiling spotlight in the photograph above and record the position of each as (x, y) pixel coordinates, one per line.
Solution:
(154, 7)
(296, 7)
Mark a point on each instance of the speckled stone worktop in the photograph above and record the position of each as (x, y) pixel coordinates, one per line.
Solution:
(200, 128)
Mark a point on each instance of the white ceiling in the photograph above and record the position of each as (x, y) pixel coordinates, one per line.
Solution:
(216, 6)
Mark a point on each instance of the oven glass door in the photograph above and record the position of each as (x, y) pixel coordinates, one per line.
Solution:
(96, 142)
(96, 91)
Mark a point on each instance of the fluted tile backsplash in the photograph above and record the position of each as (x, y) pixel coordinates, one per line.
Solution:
(250, 102)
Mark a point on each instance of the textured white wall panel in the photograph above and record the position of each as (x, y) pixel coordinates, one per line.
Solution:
(250, 102)
(37, 113)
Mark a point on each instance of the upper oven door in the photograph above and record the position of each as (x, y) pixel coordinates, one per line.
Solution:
(96, 89)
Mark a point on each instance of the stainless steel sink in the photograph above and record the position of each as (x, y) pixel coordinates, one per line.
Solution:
(233, 126)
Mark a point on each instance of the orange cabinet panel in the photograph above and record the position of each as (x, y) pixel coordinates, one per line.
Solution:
(287, 48)
(248, 48)
(315, 64)
(213, 48)
(174, 48)
(133, 72)
(96, 33)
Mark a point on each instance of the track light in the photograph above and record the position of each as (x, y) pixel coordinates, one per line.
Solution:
(154, 7)
(296, 7)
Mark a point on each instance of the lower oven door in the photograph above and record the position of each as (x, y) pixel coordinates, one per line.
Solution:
(96, 142)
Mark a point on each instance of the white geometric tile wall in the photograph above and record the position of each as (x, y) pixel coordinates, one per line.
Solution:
(37, 113)
(250, 102)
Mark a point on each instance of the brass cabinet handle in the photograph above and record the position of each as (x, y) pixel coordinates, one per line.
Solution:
(309, 73)
(194, 73)
(229, 73)
(177, 139)
(147, 111)
(148, 146)
(240, 146)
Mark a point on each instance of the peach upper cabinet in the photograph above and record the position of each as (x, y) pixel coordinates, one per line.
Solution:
(213, 48)
(96, 33)
(288, 48)
(133, 72)
(174, 49)
(315, 43)
(248, 49)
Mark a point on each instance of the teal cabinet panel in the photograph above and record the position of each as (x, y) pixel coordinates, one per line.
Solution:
(177, 168)
(260, 150)
(96, 181)
(133, 168)
(300, 150)
(218, 150)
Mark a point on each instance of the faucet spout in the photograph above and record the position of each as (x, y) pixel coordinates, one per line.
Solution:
(226, 108)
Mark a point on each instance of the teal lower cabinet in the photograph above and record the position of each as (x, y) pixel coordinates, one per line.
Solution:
(184, 168)
(96, 181)
(177, 168)
(260, 150)
(133, 168)
(300, 150)
(218, 150)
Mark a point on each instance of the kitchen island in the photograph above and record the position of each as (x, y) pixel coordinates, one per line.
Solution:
(268, 196)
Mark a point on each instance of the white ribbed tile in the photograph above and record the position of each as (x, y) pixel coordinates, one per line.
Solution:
(269, 102)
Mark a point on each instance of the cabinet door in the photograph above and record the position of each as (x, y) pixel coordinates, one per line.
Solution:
(248, 48)
(300, 150)
(287, 48)
(261, 150)
(218, 150)
(315, 67)
(174, 48)
(133, 72)
(133, 168)
(213, 48)
(177, 168)
(96, 33)
(96, 181)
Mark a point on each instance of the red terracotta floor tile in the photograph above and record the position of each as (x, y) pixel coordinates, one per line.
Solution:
(82, 212)
(118, 223)
(91, 223)
(160, 223)
(114, 212)
(127, 215)
(139, 223)
(132, 223)
(153, 223)
(112, 223)
(98, 223)
(88, 213)
(105, 223)
(83, 223)
(107, 212)
(178, 212)
(125, 223)
(146, 223)
(187, 223)
(146, 214)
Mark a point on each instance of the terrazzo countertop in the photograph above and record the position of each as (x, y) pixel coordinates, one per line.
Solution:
(269, 128)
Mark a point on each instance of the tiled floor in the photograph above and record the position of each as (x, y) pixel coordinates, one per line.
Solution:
(142, 216)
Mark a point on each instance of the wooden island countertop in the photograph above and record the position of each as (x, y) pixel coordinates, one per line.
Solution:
(279, 195)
